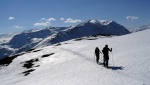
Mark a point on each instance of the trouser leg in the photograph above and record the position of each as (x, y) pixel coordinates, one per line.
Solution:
(107, 63)
(97, 59)
(104, 62)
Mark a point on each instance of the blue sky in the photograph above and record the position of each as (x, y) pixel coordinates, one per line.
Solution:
(19, 15)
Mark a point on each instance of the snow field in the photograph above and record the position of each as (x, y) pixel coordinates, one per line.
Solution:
(73, 63)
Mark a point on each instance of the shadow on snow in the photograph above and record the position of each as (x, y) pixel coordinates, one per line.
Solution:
(116, 67)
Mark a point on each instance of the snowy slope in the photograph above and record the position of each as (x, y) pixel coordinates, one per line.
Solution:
(5, 49)
(72, 63)
(87, 28)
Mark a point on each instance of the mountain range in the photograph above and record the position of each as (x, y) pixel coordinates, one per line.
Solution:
(25, 40)
(73, 62)
(88, 28)
(39, 38)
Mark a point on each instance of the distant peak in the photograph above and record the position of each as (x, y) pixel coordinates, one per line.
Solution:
(102, 22)
(105, 22)
(94, 21)
(141, 28)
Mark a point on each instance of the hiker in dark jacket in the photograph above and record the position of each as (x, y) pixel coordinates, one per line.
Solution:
(106, 55)
(97, 51)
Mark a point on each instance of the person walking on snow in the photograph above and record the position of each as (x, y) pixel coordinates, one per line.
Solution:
(106, 55)
(97, 51)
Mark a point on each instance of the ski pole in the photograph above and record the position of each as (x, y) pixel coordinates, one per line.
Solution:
(94, 58)
(101, 57)
(112, 59)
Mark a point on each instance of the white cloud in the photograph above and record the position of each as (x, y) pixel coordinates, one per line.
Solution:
(49, 19)
(47, 22)
(43, 19)
(62, 18)
(42, 24)
(132, 18)
(11, 18)
(70, 20)
(18, 27)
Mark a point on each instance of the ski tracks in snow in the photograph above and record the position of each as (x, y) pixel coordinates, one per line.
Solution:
(123, 75)
(76, 53)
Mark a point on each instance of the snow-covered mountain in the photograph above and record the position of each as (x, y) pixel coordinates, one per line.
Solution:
(26, 40)
(88, 28)
(73, 63)
(37, 38)
(142, 28)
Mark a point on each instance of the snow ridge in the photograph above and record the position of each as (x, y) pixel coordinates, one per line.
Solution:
(26, 40)
(43, 37)
(142, 28)
(87, 28)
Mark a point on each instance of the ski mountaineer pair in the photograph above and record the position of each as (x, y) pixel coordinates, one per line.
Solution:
(105, 52)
